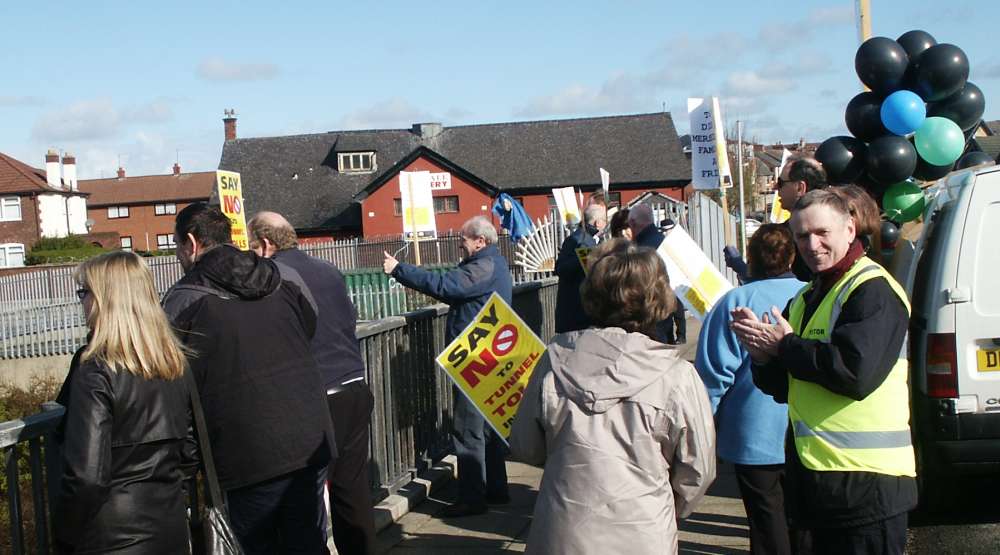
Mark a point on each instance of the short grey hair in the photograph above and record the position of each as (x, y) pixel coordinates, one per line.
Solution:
(824, 197)
(595, 212)
(640, 215)
(479, 226)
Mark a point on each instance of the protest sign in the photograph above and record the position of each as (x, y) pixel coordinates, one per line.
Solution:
(778, 213)
(231, 202)
(492, 360)
(581, 254)
(569, 210)
(605, 183)
(709, 170)
(697, 283)
(417, 204)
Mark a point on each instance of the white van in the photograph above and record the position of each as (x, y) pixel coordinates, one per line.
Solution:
(952, 275)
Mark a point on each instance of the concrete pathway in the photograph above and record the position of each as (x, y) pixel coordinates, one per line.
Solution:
(719, 525)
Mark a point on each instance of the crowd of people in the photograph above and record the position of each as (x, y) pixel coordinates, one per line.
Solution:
(798, 380)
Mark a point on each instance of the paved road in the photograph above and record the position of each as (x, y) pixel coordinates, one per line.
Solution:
(967, 522)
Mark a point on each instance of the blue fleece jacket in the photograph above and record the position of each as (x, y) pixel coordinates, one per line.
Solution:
(750, 425)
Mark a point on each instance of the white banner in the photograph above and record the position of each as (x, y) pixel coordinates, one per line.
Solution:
(605, 184)
(569, 210)
(697, 283)
(705, 170)
(417, 204)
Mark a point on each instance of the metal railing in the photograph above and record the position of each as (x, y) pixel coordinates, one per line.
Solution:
(411, 421)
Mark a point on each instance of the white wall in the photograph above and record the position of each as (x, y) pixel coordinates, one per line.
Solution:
(52, 216)
(78, 215)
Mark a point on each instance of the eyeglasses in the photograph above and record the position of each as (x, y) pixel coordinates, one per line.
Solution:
(82, 292)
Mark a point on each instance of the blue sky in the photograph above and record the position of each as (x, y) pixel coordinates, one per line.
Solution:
(147, 82)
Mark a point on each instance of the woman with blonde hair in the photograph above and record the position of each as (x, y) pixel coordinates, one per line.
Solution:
(621, 424)
(126, 424)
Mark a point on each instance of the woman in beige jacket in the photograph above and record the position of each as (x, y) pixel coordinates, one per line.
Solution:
(621, 424)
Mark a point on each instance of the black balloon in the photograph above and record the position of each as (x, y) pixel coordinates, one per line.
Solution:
(972, 159)
(874, 188)
(891, 159)
(843, 158)
(965, 107)
(864, 117)
(916, 41)
(929, 172)
(939, 72)
(890, 234)
(881, 64)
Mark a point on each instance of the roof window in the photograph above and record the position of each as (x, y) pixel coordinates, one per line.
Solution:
(356, 162)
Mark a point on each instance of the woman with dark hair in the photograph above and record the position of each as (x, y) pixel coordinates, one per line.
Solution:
(618, 226)
(620, 422)
(751, 425)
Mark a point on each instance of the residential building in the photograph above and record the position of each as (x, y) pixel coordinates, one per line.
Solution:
(36, 203)
(346, 183)
(141, 209)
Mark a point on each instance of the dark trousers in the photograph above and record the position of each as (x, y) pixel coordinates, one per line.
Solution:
(480, 453)
(281, 515)
(350, 488)
(885, 537)
(764, 501)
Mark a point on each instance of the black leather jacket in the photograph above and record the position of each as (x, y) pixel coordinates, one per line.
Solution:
(124, 441)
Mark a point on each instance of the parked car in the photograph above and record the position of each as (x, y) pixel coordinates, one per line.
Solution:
(951, 274)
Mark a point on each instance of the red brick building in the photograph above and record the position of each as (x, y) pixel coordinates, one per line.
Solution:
(346, 183)
(141, 210)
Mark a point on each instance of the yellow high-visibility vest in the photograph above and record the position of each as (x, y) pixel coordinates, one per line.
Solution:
(834, 432)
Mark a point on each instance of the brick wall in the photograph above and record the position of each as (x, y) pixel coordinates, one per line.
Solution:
(142, 223)
(24, 231)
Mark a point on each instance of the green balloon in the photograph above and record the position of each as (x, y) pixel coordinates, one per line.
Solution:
(939, 141)
(903, 202)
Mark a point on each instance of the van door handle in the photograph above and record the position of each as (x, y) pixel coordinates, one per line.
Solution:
(957, 295)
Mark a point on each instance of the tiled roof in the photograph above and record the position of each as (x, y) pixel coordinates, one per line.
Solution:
(989, 145)
(147, 189)
(994, 126)
(18, 177)
(297, 175)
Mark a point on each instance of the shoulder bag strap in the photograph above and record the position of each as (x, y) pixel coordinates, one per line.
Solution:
(214, 492)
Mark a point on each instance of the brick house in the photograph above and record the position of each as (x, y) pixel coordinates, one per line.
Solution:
(38, 203)
(346, 183)
(140, 210)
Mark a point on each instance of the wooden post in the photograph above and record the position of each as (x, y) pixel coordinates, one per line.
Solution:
(413, 219)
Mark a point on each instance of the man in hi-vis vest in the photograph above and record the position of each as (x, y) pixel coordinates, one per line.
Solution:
(835, 356)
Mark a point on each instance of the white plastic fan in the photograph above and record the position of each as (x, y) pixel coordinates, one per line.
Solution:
(537, 252)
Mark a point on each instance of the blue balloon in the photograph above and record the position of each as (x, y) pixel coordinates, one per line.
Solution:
(903, 112)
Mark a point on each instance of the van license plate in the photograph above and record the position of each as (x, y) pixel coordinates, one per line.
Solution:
(988, 359)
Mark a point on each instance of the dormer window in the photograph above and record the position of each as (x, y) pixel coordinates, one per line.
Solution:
(356, 162)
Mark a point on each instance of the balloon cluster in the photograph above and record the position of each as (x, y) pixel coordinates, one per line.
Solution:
(912, 124)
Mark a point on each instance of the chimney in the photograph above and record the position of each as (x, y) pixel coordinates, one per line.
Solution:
(69, 171)
(426, 130)
(230, 123)
(52, 174)
(121, 172)
(177, 168)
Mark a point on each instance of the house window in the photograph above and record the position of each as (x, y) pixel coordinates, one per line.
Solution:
(445, 205)
(11, 255)
(166, 241)
(397, 207)
(614, 199)
(115, 212)
(10, 209)
(165, 209)
(126, 243)
(356, 162)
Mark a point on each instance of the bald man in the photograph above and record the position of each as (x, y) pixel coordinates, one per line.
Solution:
(338, 356)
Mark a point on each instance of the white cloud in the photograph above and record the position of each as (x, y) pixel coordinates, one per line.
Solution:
(753, 84)
(143, 152)
(620, 93)
(831, 16)
(84, 120)
(389, 113)
(217, 69)
(156, 111)
(785, 34)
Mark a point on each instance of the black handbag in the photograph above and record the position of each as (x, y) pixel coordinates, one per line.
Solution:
(211, 534)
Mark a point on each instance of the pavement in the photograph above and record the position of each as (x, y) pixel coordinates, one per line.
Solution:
(412, 527)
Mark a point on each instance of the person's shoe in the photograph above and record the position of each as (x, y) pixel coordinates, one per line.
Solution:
(456, 510)
(497, 499)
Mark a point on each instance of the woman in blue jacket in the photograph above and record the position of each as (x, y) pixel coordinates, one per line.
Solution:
(750, 424)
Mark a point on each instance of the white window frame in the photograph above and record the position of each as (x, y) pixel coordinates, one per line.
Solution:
(168, 243)
(7, 206)
(124, 240)
(6, 250)
(165, 209)
(117, 212)
(346, 163)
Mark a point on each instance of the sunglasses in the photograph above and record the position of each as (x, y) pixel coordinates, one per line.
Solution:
(82, 292)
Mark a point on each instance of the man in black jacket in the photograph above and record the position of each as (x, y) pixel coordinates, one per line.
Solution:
(268, 422)
(835, 357)
(672, 330)
(338, 355)
(570, 315)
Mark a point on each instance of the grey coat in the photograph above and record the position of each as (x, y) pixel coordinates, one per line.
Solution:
(624, 429)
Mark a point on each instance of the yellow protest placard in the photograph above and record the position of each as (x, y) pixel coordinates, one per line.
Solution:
(492, 360)
(582, 253)
(231, 202)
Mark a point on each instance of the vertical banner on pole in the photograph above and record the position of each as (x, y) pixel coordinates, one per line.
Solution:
(569, 210)
(706, 171)
(606, 184)
(417, 205)
(231, 202)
